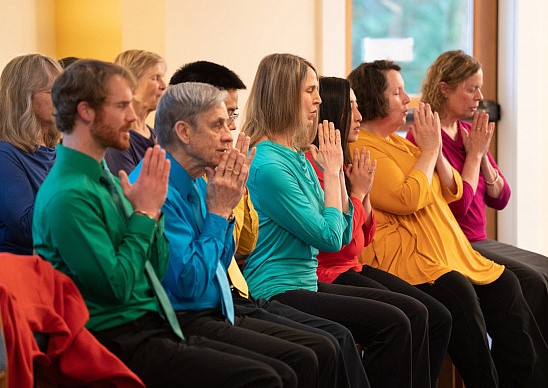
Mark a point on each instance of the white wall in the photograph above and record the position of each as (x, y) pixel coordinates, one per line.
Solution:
(522, 133)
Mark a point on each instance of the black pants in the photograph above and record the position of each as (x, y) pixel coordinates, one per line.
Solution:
(350, 371)
(429, 341)
(530, 268)
(383, 330)
(518, 357)
(151, 350)
(304, 352)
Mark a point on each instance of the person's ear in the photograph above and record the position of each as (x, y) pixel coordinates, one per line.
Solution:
(183, 131)
(85, 111)
(444, 89)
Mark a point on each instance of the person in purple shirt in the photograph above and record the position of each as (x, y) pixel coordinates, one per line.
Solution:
(27, 139)
(149, 69)
(453, 88)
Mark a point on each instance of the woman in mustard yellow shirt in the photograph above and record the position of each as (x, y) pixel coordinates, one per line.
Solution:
(419, 240)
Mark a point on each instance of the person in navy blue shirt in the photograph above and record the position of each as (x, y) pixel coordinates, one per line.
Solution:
(27, 139)
(149, 69)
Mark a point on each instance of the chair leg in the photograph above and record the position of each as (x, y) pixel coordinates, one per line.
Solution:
(449, 376)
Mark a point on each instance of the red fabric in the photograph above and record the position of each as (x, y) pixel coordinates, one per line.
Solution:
(332, 264)
(36, 298)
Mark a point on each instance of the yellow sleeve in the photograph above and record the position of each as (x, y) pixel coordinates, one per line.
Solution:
(395, 192)
(447, 194)
(246, 229)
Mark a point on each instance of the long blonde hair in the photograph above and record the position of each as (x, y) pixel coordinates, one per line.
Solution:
(22, 77)
(274, 104)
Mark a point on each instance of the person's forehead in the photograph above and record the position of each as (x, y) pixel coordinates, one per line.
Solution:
(311, 77)
(394, 78)
(352, 96)
(231, 99)
(474, 78)
(158, 67)
(217, 111)
(119, 88)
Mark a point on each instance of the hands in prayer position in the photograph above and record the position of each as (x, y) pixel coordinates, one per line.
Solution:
(148, 193)
(227, 182)
(478, 140)
(329, 154)
(361, 173)
(427, 129)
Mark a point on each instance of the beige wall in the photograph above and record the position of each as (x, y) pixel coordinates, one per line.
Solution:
(239, 33)
(25, 26)
(143, 25)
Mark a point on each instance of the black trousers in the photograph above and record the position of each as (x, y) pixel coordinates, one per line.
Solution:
(530, 268)
(429, 340)
(304, 352)
(383, 330)
(350, 371)
(151, 350)
(518, 357)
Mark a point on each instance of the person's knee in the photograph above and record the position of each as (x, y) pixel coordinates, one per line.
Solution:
(417, 313)
(325, 349)
(399, 324)
(309, 358)
(439, 316)
(263, 375)
(532, 282)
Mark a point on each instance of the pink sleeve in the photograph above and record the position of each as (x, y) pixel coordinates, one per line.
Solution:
(500, 202)
(461, 206)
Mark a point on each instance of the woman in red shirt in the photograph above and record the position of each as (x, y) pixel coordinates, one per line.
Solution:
(339, 106)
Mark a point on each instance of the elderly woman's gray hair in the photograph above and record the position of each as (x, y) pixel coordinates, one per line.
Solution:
(184, 102)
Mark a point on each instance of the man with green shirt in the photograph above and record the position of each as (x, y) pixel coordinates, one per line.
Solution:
(108, 236)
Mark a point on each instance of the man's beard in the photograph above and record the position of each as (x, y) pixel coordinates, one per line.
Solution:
(108, 136)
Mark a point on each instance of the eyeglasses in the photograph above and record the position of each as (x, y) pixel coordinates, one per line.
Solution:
(232, 117)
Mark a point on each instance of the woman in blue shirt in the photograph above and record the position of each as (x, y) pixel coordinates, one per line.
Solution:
(297, 218)
(27, 139)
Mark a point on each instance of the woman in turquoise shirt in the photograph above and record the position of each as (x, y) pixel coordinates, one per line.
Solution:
(297, 218)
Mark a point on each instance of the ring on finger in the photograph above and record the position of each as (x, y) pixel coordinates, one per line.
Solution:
(370, 171)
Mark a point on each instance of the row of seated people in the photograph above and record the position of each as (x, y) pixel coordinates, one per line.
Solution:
(109, 235)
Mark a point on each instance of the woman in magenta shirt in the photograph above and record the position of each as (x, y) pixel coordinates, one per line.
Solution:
(453, 88)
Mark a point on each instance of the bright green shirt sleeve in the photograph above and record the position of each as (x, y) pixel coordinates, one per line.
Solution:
(79, 230)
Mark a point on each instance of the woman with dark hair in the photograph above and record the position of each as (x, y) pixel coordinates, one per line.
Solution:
(419, 240)
(28, 137)
(453, 88)
(297, 218)
(339, 105)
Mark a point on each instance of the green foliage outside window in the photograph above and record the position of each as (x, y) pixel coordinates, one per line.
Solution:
(434, 26)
